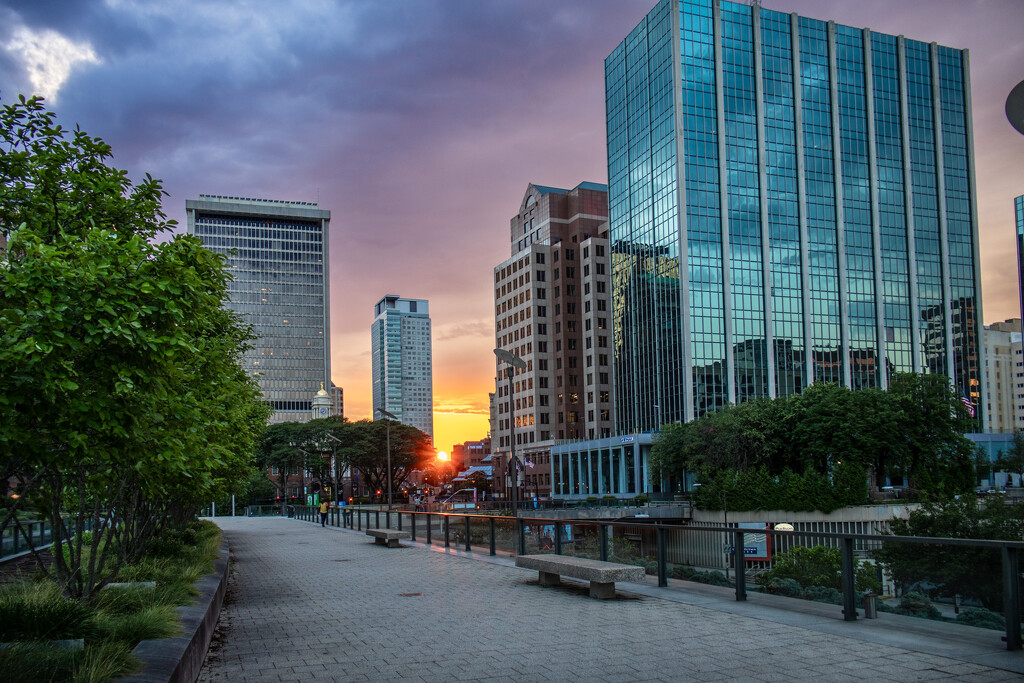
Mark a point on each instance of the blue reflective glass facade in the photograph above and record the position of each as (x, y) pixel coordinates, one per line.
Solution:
(791, 201)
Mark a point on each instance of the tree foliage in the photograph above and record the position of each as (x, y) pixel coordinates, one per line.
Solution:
(123, 401)
(974, 573)
(362, 445)
(822, 447)
(1013, 459)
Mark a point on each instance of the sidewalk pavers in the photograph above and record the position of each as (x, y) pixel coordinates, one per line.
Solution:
(307, 603)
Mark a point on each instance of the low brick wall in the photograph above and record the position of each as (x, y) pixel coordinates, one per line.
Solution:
(179, 659)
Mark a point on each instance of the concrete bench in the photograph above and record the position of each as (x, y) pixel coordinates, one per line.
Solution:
(388, 537)
(602, 575)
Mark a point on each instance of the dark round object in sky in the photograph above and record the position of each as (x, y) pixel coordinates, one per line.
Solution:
(1015, 107)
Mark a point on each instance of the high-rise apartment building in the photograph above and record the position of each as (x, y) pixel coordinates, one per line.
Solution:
(552, 307)
(401, 361)
(790, 201)
(276, 253)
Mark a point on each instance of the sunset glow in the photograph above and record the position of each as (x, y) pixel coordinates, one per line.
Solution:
(419, 126)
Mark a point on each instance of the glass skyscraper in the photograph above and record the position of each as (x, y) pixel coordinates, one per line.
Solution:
(276, 253)
(401, 361)
(790, 201)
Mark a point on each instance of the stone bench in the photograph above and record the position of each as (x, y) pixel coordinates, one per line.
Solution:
(602, 575)
(388, 537)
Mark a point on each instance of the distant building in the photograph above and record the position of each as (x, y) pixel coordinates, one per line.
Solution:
(337, 401)
(552, 304)
(401, 362)
(276, 254)
(1004, 404)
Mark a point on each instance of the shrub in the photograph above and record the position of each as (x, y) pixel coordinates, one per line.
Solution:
(787, 587)
(712, 578)
(681, 571)
(914, 604)
(982, 618)
(642, 499)
(817, 566)
(823, 594)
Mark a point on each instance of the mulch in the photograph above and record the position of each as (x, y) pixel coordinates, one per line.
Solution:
(22, 568)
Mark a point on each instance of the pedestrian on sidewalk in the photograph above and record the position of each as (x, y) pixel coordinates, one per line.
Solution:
(324, 507)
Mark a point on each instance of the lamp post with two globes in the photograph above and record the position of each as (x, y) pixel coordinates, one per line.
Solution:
(512, 361)
(388, 417)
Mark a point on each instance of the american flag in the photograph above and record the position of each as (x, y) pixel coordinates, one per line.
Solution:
(967, 404)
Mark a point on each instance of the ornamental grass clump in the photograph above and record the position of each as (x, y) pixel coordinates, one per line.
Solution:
(38, 625)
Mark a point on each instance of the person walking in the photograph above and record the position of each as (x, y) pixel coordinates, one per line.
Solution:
(324, 507)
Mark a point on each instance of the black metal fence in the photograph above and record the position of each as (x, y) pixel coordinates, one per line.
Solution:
(647, 544)
(36, 535)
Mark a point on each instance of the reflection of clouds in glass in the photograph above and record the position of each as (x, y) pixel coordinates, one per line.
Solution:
(49, 58)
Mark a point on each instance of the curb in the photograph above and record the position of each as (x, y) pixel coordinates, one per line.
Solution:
(179, 659)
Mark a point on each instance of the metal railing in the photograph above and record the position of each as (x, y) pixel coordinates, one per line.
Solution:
(15, 542)
(656, 546)
(34, 535)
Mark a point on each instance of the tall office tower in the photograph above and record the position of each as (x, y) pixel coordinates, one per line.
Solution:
(401, 361)
(276, 254)
(791, 201)
(552, 309)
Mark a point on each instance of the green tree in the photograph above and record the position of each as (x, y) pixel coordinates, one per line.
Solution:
(974, 573)
(983, 465)
(277, 451)
(833, 425)
(931, 441)
(123, 401)
(1013, 459)
(411, 449)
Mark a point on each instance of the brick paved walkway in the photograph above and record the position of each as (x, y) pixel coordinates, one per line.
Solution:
(307, 603)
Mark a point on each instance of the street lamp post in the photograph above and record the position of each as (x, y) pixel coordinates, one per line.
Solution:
(513, 361)
(388, 417)
(338, 493)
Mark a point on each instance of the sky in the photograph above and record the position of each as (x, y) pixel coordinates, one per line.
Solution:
(419, 125)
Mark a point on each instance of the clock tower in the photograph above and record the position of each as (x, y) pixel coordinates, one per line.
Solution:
(321, 403)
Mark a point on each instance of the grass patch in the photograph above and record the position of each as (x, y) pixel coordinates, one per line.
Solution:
(112, 623)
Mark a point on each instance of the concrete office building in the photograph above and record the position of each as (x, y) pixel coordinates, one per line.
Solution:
(401, 361)
(791, 201)
(552, 306)
(280, 285)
